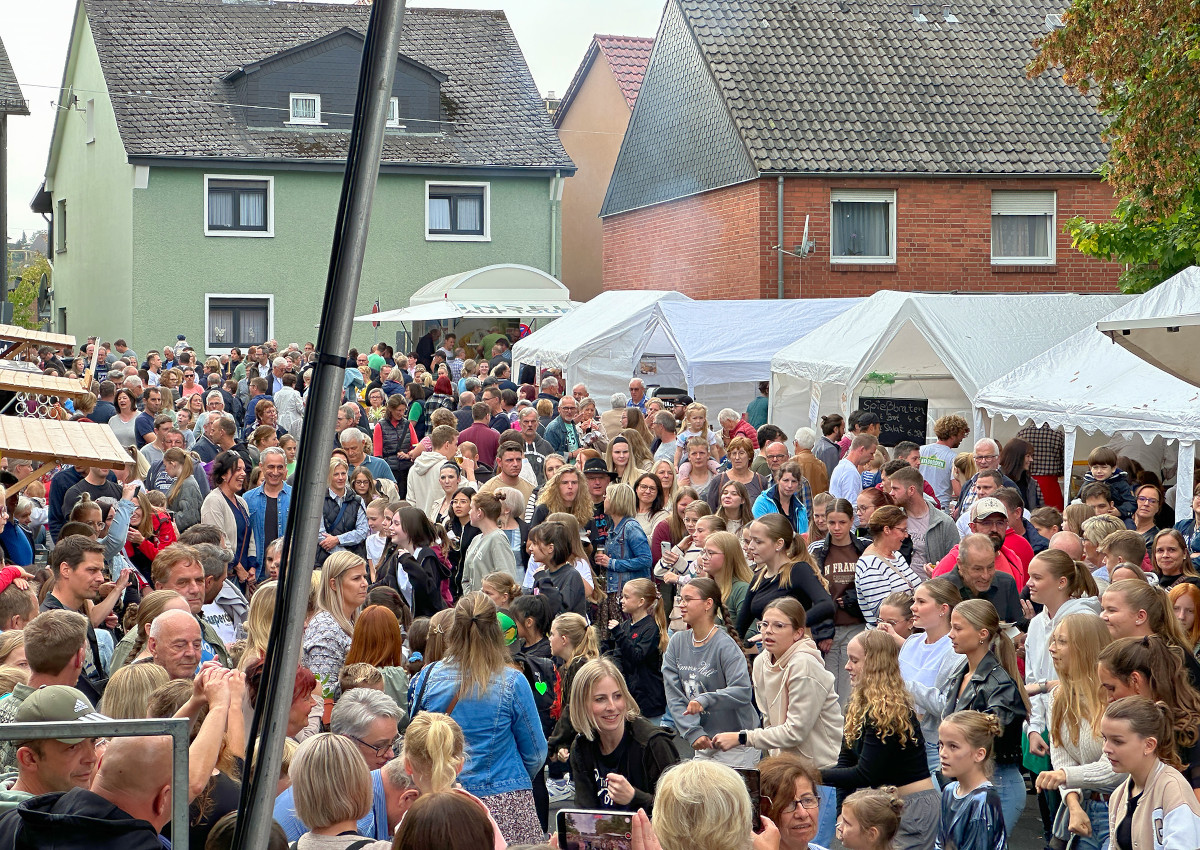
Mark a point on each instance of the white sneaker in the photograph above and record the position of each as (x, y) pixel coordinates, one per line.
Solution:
(560, 790)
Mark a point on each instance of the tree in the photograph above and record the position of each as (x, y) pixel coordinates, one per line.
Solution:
(1140, 59)
(24, 295)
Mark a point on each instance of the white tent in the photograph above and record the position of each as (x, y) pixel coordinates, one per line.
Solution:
(719, 350)
(501, 291)
(593, 344)
(1086, 383)
(942, 348)
(1168, 337)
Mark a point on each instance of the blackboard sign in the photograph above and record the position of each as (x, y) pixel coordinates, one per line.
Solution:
(903, 418)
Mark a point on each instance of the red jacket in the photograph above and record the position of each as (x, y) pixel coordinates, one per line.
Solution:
(743, 429)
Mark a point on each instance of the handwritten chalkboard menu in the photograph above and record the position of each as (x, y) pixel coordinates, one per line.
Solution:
(903, 418)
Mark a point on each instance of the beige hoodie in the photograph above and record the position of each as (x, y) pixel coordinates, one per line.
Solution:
(797, 696)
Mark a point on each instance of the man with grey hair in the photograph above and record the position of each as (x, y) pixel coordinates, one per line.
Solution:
(175, 643)
(269, 502)
(613, 419)
(664, 427)
(355, 444)
(225, 606)
(637, 394)
(815, 471)
(214, 408)
(987, 457)
(279, 368)
(134, 384)
(549, 391)
(368, 718)
(536, 448)
(579, 392)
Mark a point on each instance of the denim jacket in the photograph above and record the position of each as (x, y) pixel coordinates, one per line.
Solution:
(628, 554)
(505, 745)
(256, 503)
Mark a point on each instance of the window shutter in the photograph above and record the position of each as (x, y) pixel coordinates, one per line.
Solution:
(1005, 202)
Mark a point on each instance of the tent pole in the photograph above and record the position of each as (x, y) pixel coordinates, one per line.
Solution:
(269, 727)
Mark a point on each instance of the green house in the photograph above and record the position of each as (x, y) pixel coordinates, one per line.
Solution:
(197, 158)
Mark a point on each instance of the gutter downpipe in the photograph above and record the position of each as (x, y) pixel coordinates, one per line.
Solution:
(779, 236)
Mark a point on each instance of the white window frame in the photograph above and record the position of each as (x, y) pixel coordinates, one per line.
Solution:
(89, 121)
(59, 221)
(393, 119)
(223, 296)
(864, 196)
(270, 181)
(292, 98)
(1025, 202)
(465, 237)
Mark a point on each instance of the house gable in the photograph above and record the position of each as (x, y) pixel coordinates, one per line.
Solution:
(681, 139)
(329, 66)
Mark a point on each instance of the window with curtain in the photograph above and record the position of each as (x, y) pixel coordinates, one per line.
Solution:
(457, 210)
(240, 321)
(238, 206)
(1023, 227)
(863, 226)
(305, 109)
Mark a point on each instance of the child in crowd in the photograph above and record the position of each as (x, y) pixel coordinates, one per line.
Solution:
(378, 537)
(695, 416)
(501, 588)
(272, 557)
(533, 619)
(870, 819)
(821, 503)
(1102, 467)
(895, 612)
(1047, 521)
(637, 645)
(971, 812)
(360, 676)
(873, 474)
(573, 644)
(558, 580)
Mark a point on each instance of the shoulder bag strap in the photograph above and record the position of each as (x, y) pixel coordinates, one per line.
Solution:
(416, 709)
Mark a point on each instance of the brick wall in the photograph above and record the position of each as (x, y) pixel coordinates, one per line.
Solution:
(719, 244)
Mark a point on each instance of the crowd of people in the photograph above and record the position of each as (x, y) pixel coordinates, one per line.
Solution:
(525, 597)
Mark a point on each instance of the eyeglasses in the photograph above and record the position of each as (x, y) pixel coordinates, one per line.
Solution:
(808, 802)
(862, 509)
(380, 751)
(984, 457)
(1147, 500)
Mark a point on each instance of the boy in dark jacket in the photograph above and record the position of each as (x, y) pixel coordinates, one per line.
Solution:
(1102, 467)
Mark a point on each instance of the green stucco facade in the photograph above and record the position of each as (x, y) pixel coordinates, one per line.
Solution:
(175, 265)
(138, 264)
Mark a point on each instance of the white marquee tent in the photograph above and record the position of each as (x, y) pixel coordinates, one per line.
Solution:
(1087, 383)
(942, 348)
(506, 290)
(719, 350)
(593, 344)
(1169, 335)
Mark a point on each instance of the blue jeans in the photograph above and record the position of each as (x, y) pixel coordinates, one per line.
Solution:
(827, 816)
(1098, 814)
(1011, 785)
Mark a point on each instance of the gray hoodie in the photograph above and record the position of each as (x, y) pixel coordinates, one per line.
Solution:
(714, 675)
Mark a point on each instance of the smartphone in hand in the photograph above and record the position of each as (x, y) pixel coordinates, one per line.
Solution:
(583, 829)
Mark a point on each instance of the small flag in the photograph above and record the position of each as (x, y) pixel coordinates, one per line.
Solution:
(375, 309)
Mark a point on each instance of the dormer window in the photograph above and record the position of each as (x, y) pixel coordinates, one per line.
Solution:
(305, 109)
(393, 119)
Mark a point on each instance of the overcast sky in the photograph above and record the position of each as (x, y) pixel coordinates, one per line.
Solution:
(552, 33)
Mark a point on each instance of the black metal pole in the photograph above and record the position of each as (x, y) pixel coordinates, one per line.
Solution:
(269, 727)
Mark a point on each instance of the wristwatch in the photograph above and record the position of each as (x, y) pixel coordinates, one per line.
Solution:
(742, 737)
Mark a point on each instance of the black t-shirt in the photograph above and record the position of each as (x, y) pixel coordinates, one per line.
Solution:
(270, 522)
(626, 761)
(1124, 840)
(95, 491)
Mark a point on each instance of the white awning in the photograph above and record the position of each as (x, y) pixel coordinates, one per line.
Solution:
(505, 290)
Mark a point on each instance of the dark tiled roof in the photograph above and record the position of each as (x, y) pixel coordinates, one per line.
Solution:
(628, 58)
(861, 86)
(164, 61)
(11, 100)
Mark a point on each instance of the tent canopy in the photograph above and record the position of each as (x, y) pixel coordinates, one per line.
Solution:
(721, 342)
(1168, 337)
(593, 344)
(505, 290)
(942, 348)
(1086, 383)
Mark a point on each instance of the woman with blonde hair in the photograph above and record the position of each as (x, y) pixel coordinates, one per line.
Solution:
(701, 805)
(882, 740)
(320, 763)
(258, 623)
(990, 682)
(127, 695)
(723, 560)
(433, 754)
(635, 421)
(618, 756)
(626, 554)
(493, 703)
(667, 476)
(328, 635)
(1131, 608)
(343, 516)
(619, 458)
(12, 648)
(1081, 773)
(1095, 530)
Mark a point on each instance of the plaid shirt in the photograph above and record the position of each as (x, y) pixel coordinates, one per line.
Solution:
(1047, 449)
(456, 367)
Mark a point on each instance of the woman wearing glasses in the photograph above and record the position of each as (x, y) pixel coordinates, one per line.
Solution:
(1149, 500)
(788, 785)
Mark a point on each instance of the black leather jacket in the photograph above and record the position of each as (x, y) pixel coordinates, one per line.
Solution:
(992, 691)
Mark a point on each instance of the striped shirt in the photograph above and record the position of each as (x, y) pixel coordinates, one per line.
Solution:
(876, 578)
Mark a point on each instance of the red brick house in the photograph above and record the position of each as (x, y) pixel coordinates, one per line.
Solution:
(907, 135)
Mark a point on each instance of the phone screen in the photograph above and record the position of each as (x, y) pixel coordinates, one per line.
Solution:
(580, 829)
(750, 777)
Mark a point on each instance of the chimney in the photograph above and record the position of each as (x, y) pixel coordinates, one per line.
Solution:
(947, 15)
(916, 13)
